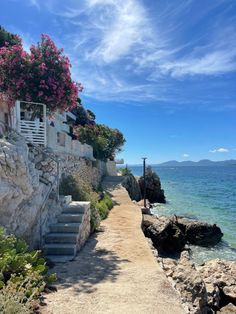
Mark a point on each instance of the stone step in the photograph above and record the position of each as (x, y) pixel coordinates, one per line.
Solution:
(60, 249)
(61, 237)
(70, 217)
(113, 179)
(60, 258)
(65, 227)
(76, 207)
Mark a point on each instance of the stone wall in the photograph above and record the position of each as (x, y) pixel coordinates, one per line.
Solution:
(26, 176)
(111, 168)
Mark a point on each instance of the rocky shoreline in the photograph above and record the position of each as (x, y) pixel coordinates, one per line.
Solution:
(208, 288)
(204, 289)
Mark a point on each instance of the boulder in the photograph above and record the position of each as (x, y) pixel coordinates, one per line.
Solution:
(189, 284)
(148, 220)
(154, 192)
(228, 309)
(198, 232)
(165, 235)
(221, 275)
(131, 185)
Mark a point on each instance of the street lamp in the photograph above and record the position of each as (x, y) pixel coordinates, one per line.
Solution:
(144, 184)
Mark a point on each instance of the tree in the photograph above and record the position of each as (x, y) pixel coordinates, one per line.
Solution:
(8, 39)
(106, 142)
(43, 75)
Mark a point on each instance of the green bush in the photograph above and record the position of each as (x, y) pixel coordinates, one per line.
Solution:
(83, 191)
(103, 209)
(106, 142)
(104, 206)
(108, 201)
(79, 189)
(23, 273)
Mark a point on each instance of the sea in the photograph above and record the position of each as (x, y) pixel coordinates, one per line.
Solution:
(203, 193)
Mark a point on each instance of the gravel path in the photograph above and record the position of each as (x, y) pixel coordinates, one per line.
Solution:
(115, 272)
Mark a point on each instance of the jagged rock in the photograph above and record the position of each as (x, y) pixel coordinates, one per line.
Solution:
(148, 220)
(154, 192)
(198, 232)
(228, 309)
(131, 185)
(190, 285)
(221, 275)
(165, 235)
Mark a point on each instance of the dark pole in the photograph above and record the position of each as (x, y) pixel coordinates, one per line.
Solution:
(144, 185)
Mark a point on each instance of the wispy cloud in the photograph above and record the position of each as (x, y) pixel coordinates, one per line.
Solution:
(128, 50)
(219, 150)
(35, 3)
(186, 155)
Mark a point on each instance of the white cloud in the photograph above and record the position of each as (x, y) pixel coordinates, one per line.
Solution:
(213, 63)
(186, 155)
(219, 150)
(35, 3)
(121, 49)
(125, 28)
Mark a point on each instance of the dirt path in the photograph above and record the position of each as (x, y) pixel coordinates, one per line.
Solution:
(115, 272)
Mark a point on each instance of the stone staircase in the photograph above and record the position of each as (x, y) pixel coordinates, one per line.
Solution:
(70, 232)
(110, 182)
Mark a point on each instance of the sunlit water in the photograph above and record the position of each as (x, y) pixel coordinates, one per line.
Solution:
(204, 193)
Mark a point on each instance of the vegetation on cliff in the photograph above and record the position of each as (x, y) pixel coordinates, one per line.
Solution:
(80, 190)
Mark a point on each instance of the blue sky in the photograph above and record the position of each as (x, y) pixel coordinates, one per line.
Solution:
(163, 72)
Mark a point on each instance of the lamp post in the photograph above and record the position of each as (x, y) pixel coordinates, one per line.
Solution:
(144, 184)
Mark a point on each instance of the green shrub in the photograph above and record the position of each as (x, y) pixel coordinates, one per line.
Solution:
(108, 201)
(103, 209)
(23, 274)
(104, 206)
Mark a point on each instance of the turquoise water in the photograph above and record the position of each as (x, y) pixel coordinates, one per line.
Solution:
(205, 193)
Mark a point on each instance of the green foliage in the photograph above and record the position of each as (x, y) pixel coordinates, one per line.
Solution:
(23, 273)
(108, 201)
(106, 142)
(83, 191)
(104, 206)
(8, 39)
(79, 189)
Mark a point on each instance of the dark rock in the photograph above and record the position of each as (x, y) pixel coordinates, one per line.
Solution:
(198, 232)
(148, 220)
(154, 192)
(131, 185)
(146, 211)
(165, 235)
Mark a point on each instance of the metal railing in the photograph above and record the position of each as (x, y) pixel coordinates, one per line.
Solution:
(6, 130)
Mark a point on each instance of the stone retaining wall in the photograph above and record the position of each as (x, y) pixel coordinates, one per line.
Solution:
(25, 177)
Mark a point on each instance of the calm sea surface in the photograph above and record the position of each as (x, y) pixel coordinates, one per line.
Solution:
(204, 193)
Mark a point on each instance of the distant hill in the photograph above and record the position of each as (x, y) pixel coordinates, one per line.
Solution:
(203, 162)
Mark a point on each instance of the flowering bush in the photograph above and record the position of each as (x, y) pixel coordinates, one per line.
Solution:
(43, 75)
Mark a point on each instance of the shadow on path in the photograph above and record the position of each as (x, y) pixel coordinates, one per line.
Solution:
(91, 266)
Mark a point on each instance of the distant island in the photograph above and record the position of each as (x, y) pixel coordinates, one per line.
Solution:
(203, 162)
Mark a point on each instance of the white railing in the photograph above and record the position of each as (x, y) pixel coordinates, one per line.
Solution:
(34, 132)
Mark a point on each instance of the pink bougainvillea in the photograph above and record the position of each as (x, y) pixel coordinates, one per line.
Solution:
(43, 75)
